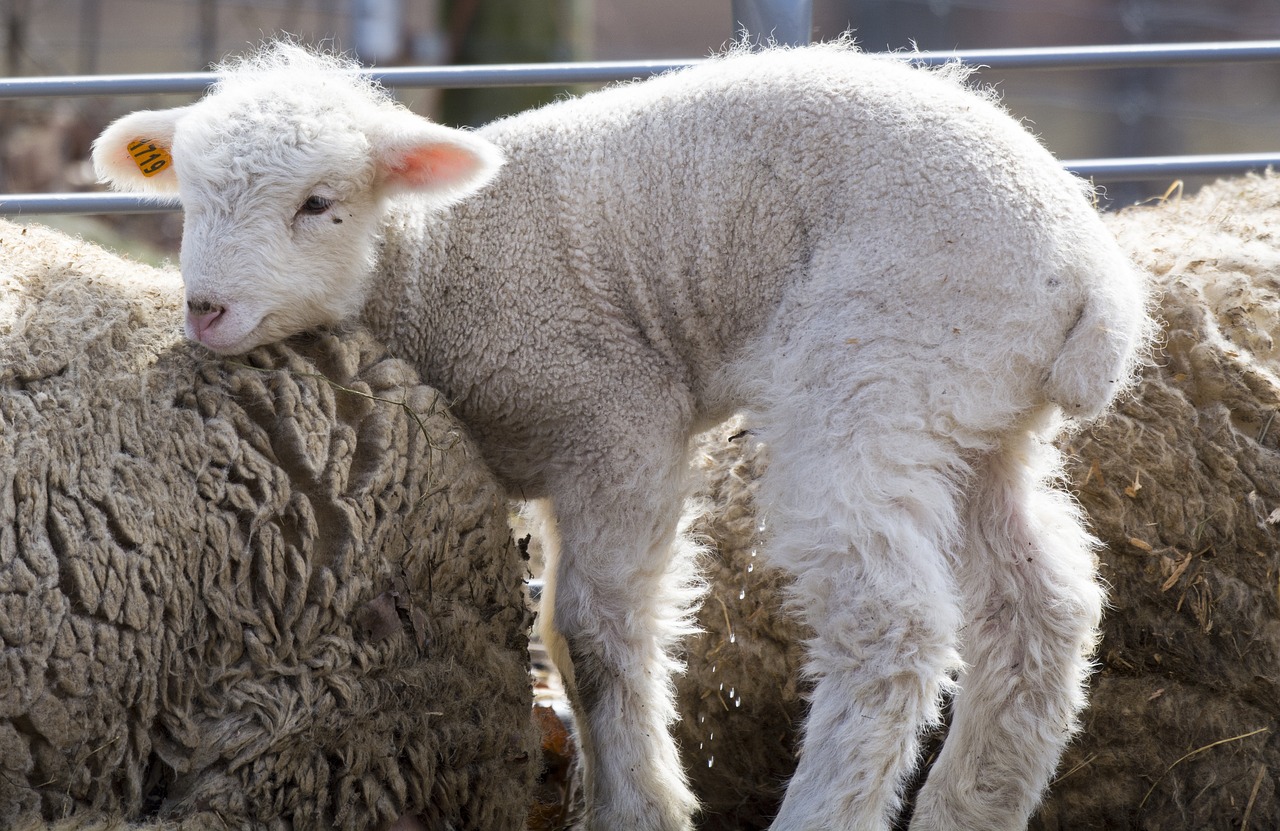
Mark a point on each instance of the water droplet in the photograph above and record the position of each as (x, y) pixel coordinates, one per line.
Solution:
(711, 737)
(761, 525)
(733, 638)
(713, 669)
(702, 719)
(753, 552)
(711, 761)
(751, 567)
(721, 686)
(699, 745)
(737, 702)
(731, 692)
(742, 594)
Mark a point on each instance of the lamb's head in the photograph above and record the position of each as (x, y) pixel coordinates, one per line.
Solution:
(284, 169)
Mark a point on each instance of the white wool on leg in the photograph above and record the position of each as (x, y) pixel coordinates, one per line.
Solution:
(622, 594)
(1033, 607)
(883, 657)
(870, 539)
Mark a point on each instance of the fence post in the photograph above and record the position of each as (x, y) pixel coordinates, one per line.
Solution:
(788, 22)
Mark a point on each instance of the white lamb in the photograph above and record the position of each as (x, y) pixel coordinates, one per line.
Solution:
(901, 287)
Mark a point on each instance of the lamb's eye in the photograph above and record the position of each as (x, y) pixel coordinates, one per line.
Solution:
(315, 205)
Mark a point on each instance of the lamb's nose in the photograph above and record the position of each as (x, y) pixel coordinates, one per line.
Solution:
(203, 314)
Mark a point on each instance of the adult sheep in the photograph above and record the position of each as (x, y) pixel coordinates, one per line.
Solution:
(1181, 483)
(897, 282)
(273, 592)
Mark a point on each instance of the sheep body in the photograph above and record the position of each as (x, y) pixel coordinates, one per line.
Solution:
(275, 593)
(900, 286)
(1181, 482)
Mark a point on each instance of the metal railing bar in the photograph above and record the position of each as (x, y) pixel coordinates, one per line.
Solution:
(85, 203)
(75, 85)
(1169, 167)
(529, 75)
(557, 74)
(1100, 170)
(442, 77)
(1109, 57)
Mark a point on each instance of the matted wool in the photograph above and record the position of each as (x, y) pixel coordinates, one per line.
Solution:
(274, 591)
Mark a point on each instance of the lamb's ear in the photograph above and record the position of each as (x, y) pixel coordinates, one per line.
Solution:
(414, 154)
(135, 152)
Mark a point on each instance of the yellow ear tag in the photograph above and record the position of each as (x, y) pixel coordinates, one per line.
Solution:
(150, 157)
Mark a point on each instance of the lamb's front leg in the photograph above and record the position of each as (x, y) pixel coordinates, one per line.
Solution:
(618, 598)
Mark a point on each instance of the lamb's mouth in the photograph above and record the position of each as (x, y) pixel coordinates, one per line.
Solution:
(270, 329)
(237, 346)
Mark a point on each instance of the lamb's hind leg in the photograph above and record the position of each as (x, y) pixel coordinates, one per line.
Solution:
(622, 587)
(1033, 604)
(864, 519)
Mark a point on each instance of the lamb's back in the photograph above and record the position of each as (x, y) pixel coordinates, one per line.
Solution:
(701, 195)
(677, 221)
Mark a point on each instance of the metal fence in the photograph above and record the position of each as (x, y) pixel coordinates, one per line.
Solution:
(567, 74)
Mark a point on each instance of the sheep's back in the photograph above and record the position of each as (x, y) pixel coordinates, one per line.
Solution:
(275, 589)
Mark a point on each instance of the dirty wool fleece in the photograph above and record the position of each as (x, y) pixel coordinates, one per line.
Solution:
(272, 591)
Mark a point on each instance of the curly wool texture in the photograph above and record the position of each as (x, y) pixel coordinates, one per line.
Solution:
(240, 593)
(1182, 485)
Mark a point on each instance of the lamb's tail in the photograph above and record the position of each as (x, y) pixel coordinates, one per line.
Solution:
(1102, 350)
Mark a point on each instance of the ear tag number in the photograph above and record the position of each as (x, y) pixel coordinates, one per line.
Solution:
(150, 157)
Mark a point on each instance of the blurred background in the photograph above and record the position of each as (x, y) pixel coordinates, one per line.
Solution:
(1078, 113)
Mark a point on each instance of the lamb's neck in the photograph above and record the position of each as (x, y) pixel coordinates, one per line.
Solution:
(435, 304)
(410, 249)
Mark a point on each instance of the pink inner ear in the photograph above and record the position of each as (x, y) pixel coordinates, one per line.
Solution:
(432, 166)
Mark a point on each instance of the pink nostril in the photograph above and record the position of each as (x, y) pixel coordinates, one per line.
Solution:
(202, 316)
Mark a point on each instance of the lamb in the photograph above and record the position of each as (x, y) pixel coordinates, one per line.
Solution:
(900, 287)
(258, 593)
